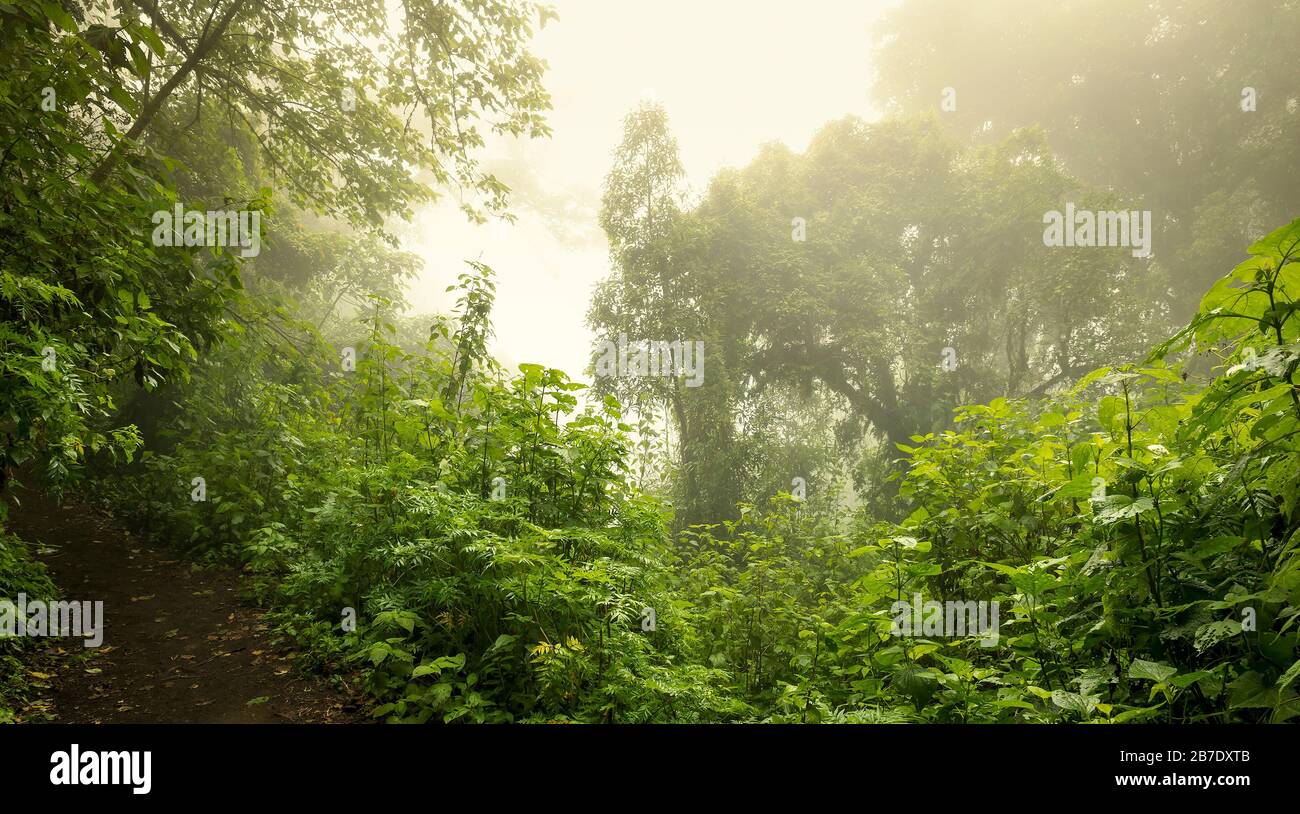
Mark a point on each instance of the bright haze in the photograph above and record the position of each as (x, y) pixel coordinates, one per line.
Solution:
(732, 74)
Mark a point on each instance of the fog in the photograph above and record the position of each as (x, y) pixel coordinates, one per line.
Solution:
(636, 362)
(732, 75)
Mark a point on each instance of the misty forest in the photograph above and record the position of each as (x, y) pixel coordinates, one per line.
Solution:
(976, 402)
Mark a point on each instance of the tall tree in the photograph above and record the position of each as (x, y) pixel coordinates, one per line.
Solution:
(897, 274)
(1187, 107)
(357, 110)
(648, 297)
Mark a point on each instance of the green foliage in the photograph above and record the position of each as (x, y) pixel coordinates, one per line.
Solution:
(495, 535)
(98, 118)
(86, 300)
(1148, 99)
(1167, 594)
(1137, 534)
(479, 525)
(827, 286)
(20, 573)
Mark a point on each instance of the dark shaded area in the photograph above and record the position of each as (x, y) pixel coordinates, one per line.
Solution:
(179, 645)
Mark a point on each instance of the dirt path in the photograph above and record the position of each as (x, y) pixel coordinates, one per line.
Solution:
(179, 645)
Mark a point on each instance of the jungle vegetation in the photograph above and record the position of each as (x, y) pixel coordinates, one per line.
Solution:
(906, 392)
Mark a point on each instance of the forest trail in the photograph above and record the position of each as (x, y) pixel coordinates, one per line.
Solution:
(178, 644)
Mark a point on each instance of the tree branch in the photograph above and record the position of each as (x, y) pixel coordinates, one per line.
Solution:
(155, 104)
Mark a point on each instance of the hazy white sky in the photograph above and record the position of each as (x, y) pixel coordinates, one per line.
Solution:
(732, 74)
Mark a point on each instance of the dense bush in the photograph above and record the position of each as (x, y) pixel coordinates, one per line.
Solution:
(20, 573)
(477, 526)
(471, 540)
(1137, 533)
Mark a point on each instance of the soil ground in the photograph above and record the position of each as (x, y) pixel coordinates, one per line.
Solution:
(179, 644)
